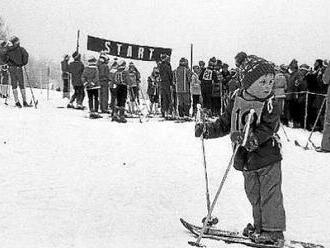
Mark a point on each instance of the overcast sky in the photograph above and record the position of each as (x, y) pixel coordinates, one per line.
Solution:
(278, 30)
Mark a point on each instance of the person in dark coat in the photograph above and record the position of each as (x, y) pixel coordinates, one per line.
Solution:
(104, 76)
(66, 76)
(216, 98)
(293, 97)
(90, 79)
(208, 77)
(165, 85)
(76, 69)
(260, 157)
(121, 81)
(16, 58)
(113, 87)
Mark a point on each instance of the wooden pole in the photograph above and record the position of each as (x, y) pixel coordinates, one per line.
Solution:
(48, 81)
(306, 110)
(78, 35)
(191, 55)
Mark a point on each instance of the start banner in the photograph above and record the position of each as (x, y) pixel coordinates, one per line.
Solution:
(126, 50)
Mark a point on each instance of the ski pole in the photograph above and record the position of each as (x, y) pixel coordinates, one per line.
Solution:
(285, 134)
(246, 133)
(202, 118)
(35, 102)
(317, 118)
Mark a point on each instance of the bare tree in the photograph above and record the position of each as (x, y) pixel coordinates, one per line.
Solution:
(4, 30)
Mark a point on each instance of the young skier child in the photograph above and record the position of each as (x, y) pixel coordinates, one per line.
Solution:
(90, 79)
(260, 159)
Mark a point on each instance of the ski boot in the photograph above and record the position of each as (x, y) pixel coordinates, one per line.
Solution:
(25, 104)
(18, 104)
(70, 105)
(80, 107)
(94, 115)
(268, 237)
(212, 221)
(250, 230)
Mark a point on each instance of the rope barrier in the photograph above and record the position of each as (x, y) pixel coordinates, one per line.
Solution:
(305, 92)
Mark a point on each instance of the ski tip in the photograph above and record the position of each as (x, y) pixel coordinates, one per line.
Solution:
(193, 243)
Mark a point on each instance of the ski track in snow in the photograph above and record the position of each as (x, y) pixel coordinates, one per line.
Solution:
(68, 181)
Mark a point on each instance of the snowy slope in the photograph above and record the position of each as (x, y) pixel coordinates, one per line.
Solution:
(68, 181)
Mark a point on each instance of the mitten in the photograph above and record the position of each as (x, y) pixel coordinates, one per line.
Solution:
(252, 143)
(202, 128)
(199, 128)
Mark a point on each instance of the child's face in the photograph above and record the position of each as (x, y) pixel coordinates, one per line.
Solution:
(262, 87)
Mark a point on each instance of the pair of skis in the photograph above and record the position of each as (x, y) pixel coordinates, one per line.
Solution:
(230, 237)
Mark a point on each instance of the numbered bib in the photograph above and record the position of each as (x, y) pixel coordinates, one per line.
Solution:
(207, 75)
(119, 77)
(240, 112)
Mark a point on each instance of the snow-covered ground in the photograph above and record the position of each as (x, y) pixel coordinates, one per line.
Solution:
(68, 181)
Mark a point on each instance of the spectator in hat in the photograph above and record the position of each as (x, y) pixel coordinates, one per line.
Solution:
(166, 77)
(76, 68)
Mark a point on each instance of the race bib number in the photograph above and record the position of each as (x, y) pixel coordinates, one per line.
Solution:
(207, 75)
(119, 77)
(240, 113)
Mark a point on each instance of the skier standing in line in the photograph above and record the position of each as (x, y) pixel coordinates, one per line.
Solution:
(182, 81)
(90, 79)
(121, 80)
(104, 76)
(166, 77)
(153, 90)
(113, 89)
(195, 88)
(260, 159)
(133, 87)
(17, 57)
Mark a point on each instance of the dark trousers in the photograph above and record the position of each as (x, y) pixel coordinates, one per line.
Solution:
(16, 76)
(104, 97)
(93, 100)
(121, 95)
(113, 101)
(216, 105)
(79, 95)
(66, 87)
(184, 104)
(134, 94)
(165, 98)
(196, 100)
(263, 189)
(207, 95)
